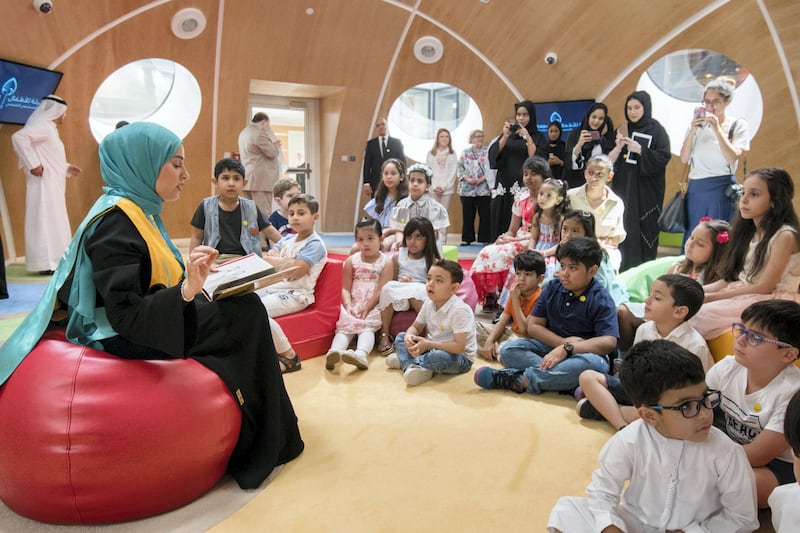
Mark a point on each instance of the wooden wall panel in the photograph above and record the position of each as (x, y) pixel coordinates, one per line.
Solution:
(348, 45)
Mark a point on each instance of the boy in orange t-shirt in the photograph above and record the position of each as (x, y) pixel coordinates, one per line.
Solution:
(529, 268)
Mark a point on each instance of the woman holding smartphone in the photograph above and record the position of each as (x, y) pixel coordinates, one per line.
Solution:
(519, 141)
(712, 148)
(640, 154)
(595, 136)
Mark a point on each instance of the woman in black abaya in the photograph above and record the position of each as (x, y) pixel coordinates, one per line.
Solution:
(641, 155)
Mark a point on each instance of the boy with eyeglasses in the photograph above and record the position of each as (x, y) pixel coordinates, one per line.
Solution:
(757, 382)
(682, 474)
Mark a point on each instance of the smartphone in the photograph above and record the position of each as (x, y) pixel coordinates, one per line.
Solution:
(594, 135)
(699, 112)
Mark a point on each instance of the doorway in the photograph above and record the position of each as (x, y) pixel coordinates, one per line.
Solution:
(295, 123)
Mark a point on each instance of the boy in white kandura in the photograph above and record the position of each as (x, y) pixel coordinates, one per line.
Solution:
(682, 474)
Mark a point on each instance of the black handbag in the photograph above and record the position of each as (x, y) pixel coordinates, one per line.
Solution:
(674, 218)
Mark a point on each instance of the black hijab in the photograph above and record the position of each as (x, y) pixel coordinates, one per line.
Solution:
(646, 123)
(531, 127)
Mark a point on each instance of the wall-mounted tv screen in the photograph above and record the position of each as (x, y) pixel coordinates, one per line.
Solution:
(22, 88)
(569, 112)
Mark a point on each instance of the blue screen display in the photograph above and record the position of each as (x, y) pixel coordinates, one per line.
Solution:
(22, 88)
(568, 112)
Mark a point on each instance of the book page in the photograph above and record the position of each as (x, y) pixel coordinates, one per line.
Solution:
(231, 276)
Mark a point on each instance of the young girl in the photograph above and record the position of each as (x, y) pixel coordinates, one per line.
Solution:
(410, 270)
(551, 205)
(443, 160)
(763, 259)
(418, 203)
(364, 275)
(392, 188)
(704, 252)
(490, 268)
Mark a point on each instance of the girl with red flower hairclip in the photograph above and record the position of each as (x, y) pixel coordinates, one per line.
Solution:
(704, 251)
(763, 261)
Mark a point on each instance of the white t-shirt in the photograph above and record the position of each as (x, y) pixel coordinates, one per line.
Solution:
(454, 316)
(784, 502)
(684, 335)
(707, 159)
(748, 414)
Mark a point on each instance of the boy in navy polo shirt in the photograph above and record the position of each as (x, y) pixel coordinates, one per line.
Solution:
(573, 327)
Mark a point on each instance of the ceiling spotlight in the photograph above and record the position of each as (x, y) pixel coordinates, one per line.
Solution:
(188, 23)
(428, 49)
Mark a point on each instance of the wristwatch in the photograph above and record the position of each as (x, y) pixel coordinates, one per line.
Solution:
(568, 348)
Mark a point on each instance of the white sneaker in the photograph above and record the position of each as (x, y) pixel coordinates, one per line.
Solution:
(354, 358)
(416, 375)
(393, 362)
(331, 359)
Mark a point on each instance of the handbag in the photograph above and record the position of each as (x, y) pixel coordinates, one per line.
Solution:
(673, 218)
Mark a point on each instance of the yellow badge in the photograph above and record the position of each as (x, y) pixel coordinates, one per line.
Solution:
(240, 396)
(757, 407)
(244, 222)
(582, 298)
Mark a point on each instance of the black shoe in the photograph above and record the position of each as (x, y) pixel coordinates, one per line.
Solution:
(512, 379)
(496, 317)
(586, 410)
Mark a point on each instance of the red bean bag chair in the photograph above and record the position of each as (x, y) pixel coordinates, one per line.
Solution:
(89, 438)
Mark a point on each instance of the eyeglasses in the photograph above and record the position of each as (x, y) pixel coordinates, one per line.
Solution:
(691, 408)
(754, 338)
(714, 102)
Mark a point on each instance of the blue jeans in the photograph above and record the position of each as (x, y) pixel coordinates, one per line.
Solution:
(527, 354)
(436, 360)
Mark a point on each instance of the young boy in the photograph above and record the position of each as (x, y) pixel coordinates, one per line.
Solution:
(529, 268)
(450, 345)
(682, 473)
(784, 499)
(673, 300)
(757, 383)
(573, 328)
(228, 222)
(283, 191)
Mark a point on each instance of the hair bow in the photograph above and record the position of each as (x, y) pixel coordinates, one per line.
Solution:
(705, 219)
(722, 237)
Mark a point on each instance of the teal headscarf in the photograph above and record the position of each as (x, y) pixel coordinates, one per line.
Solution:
(130, 161)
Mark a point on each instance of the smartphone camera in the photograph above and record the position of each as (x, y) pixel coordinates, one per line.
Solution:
(513, 128)
(594, 135)
(699, 112)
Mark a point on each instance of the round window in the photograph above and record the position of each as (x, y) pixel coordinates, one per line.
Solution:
(419, 112)
(147, 90)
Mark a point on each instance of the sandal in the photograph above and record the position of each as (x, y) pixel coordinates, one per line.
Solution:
(289, 364)
(385, 346)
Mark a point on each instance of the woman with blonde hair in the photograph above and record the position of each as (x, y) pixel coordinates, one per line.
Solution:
(442, 160)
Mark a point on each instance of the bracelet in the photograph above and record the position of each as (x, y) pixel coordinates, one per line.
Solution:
(183, 294)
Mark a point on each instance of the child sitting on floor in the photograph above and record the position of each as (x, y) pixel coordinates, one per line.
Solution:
(784, 499)
(409, 271)
(450, 344)
(529, 268)
(757, 383)
(364, 275)
(673, 300)
(305, 251)
(681, 473)
(228, 222)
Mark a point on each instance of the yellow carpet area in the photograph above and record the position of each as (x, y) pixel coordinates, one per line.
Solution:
(442, 456)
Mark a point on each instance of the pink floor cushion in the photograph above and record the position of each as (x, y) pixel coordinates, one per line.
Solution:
(89, 438)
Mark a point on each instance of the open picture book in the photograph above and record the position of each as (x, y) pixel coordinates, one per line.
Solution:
(242, 276)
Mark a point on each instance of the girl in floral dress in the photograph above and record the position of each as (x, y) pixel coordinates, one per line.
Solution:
(363, 277)
(491, 266)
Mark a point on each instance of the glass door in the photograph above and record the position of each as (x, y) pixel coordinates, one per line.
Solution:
(293, 120)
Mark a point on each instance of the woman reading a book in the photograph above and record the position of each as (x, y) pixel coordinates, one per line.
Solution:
(126, 290)
(640, 160)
